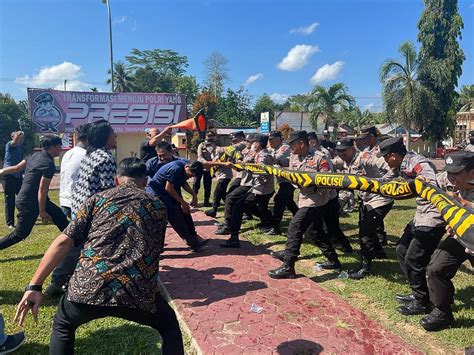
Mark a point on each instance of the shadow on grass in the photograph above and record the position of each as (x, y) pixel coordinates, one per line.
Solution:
(465, 297)
(127, 338)
(12, 297)
(203, 284)
(22, 258)
(32, 348)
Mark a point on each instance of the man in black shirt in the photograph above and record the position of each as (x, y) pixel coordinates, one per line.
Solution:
(32, 200)
(154, 136)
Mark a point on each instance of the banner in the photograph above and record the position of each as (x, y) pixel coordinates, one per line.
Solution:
(460, 218)
(54, 111)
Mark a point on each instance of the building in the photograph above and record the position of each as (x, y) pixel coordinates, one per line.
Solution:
(464, 124)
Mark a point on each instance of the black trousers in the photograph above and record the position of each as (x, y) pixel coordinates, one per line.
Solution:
(231, 199)
(308, 220)
(207, 179)
(182, 223)
(444, 264)
(235, 184)
(248, 202)
(70, 315)
(220, 192)
(11, 187)
(284, 199)
(414, 250)
(331, 219)
(369, 221)
(27, 215)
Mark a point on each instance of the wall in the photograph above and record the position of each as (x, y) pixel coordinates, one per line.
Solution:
(128, 144)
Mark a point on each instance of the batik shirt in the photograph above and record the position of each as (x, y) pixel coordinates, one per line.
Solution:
(96, 173)
(122, 229)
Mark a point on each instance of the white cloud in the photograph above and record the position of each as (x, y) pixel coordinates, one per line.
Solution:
(54, 76)
(279, 98)
(327, 72)
(297, 57)
(369, 107)
(305, 30)
(119, 20)
(253, 78)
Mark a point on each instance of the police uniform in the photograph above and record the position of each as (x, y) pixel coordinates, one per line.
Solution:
(41, 111)
(261, 189)
(223, 174)
(308, 218)
(238, 192)
(421, 235)
(284, 197)
(372, 207)
(204, 153)
(448, 257)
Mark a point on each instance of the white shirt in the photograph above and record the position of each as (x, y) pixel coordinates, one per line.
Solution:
(69, 174)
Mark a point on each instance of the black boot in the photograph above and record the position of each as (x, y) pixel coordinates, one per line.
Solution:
(330, 265)
(211, 213)
(404, 298)
(286, 271)
(280, 255)
(415, 307)
(439, 318)
(363, 271)
(232, 242)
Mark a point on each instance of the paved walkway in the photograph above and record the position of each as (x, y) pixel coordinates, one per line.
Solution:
(214, 290)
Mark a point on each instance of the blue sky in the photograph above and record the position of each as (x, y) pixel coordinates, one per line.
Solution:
(285, 46)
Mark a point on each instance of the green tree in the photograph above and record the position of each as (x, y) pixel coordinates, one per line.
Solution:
(208, 102)
(441, 58)
(13, 117)
(123, 81)
(465, 99)
(405, 97)
(164, 62)
(264, 104)
(234, 109)
(187, 85)
(328, 101)
(217, 72)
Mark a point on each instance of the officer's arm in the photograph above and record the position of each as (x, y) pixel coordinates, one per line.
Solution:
(13, 169)
(43, 193)
(159, 137)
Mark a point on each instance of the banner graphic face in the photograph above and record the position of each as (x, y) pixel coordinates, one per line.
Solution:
(54, 111)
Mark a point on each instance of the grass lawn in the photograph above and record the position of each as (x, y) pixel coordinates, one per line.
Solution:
(373, 295)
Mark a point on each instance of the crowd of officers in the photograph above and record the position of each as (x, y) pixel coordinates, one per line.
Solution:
(428, 263)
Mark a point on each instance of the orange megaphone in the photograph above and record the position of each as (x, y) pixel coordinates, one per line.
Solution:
(197, 123)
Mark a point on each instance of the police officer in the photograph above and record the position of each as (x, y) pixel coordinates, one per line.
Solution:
(240, 191)
(284, 197)
(259, 194)
(450, 253)
(204, 152)
(311, 202)
(470, 146)
(238, 142)
(422, 235)
(372, 209)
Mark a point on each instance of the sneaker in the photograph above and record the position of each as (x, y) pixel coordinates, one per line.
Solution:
(12, 343)
(404, 298)
(53, 290)
(219, 224)
(206, 204)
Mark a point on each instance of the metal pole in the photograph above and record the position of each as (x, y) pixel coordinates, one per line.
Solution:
(110, 42)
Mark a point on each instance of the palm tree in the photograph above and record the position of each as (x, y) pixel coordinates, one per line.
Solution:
(405, 97)
(123, 80)
(328, 101)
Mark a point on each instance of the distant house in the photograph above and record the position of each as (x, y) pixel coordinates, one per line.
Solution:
(464, 123)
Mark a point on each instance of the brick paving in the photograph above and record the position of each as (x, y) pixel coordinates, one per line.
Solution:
(214, 290)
